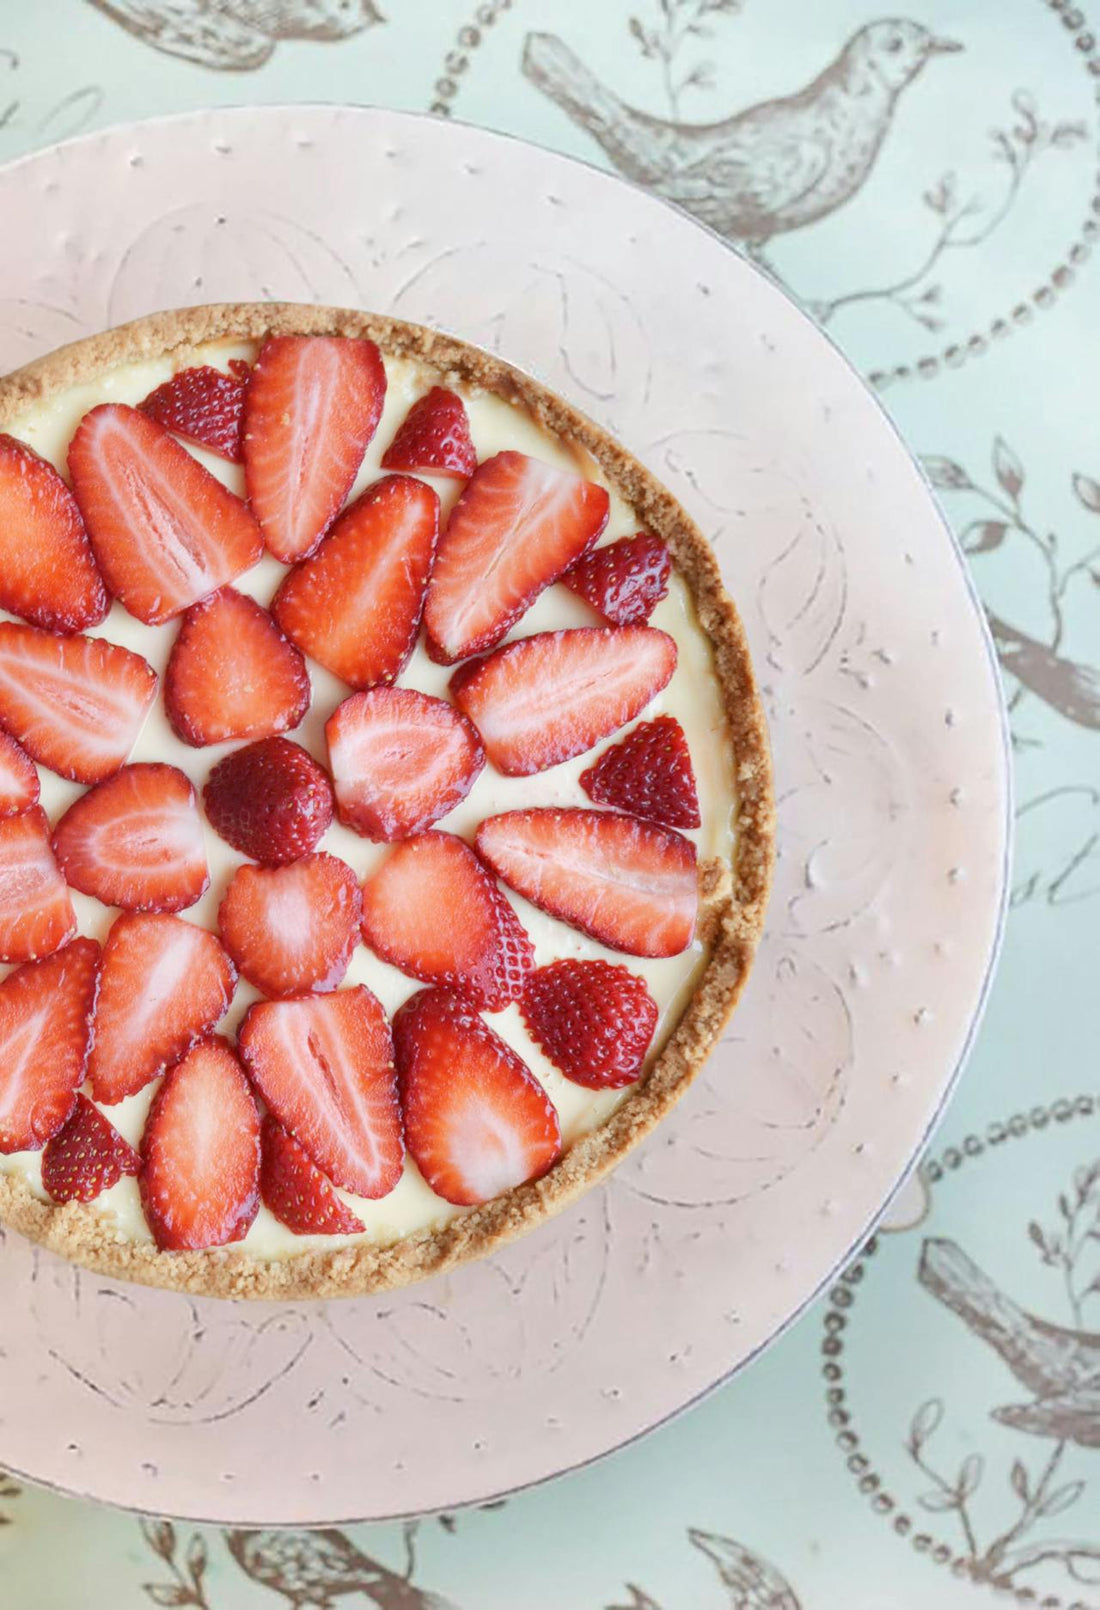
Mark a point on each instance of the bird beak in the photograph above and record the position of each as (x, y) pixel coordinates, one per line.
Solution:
(942, 47)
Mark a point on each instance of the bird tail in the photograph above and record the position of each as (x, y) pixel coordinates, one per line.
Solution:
(1072, 1416)
(626, 135)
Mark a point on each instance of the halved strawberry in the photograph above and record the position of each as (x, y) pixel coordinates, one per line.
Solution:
(204, 405)
(292, 928)
(477, 1121)
(36, 914)
(232, 673)
(270, 800)
(45, 1018)
(18, 778)
(517, 527)
(324, 1066)
(434, 438)
(294, 1189)
(200, 1176)
(432, 910)
(86, 1156)
(543, 699)
(76, 704)
(400, 760)
(164, 530)
(164, 984)
(648, 774)
(355, 605)
(48, 572)
(624, 581)
(628, 883)
(594, 1020)
(312, 406)
(135, 841)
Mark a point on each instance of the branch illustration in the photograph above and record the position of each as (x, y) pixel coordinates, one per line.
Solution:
(187, 1586)
(679, 22)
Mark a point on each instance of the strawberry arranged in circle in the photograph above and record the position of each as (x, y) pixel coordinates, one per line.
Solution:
(45, 1020)
(593, 1019)
(36, 913)
(76, 704)
(294, 1189)
(164, 530)
(400, 760)
(270, 800)
(135, 841)
(434, 438)
(205, 405)
(324, 1066)
(543, 699)
(232, 673)
(432, 910)
(48, 573)
(86, 1156)
(517, 527)
(18, 778)
(200, 1177)
(648, 773)
(477, 1121)
(355, 604)
(629, 884)
(292, 928)
(624, 581)
(163, 985)
(311, 408)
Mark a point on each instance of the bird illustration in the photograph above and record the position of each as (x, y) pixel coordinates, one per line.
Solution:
(312, 1569)
(236, 35)
(774, 167)
(753, 1584)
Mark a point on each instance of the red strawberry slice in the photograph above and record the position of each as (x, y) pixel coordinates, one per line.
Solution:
(36, 914)
(270, 800)
(232, 673)
(292, 928)
(594, 1020)
(648, 774)
(163, 985)
(45, 1019)
(76, 704)
(18, 778)
(625, 581)
(355, 605)
(86, 1156)
(135, 841)
(48, 572)
(324, 1066)
(203, 404)
(434, 438)
(477, 1121)
(312, 406)
(432, 910)
(543, 699)
(400, 760)
(629, 884)
(164, 530)
(295, 1190)
(517, 527)
(200, 1177)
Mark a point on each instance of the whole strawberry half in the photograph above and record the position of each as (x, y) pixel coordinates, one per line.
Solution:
(86, 1156)
(624, 581)
(270, 800)
(593, 1019)
(205, 405)
(48, 573)
(434, 438)
(648, 773)
(232, 673)
(135, 840)
(294, 1189)
(36, 913)
(45, 1022)
(292, 928)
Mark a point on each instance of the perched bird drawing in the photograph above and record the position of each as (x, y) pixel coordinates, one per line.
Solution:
(772, 168)
(236, 35)
(752, 1584)
(313, 1569)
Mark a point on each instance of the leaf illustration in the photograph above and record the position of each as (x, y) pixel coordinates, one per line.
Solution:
(945, 474)
(167, 1593)
(970, 1475)
(1007, 468)
(1088, 492)
(1019, 1481)
(1061, 1498)
(161, 1537)
(938, 1502)
(1067, 134)
(645, 39)
(982, 536)
(196, 1557)
(925, 1421)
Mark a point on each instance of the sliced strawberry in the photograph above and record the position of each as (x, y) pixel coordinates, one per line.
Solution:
(355, 605)
(625, 581)
(629, 884)
(164, 530)
(76, 704)
(232, 673)
(594, 1020)
(86, 1156)
(270, 800)
(477, 1121)
(18, 778)
(648, 774)
(324, 1066)
(295, 1190)
(36, 914)
(517, 527)
(45, 1020)
(135, 841)
(543, 699)
(200, 1176)
(292, 928)
(312, 406)
(164, 984)
(400, 760)
(48, 572)
(432, 910)
(434, 438)
(204, 405)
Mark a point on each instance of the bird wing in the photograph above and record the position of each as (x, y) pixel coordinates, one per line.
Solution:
(200, 33)
(765, 164)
